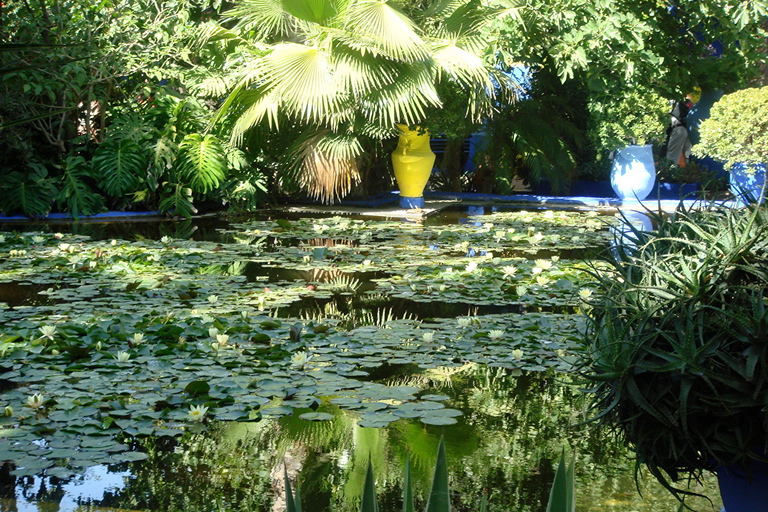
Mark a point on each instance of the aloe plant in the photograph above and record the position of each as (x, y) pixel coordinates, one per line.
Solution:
(676, 337)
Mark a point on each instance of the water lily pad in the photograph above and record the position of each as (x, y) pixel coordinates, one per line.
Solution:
(316, 416)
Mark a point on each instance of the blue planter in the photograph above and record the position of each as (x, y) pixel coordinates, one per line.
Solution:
(674, 191)
(743, 494)
(633, 173)
(747, 182)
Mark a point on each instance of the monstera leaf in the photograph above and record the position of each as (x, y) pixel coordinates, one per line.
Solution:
(30, 193)
(201, 162)
(177, 200)
(120, 166)
(76, 196)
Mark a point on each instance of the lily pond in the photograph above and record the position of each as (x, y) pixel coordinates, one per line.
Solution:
(182, 366)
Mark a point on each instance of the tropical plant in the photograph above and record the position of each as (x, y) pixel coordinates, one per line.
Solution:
(561, 497)
(342, 72)
(737, 129)
(676, 340)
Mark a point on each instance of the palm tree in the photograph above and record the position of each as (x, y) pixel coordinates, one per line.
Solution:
(340, 71)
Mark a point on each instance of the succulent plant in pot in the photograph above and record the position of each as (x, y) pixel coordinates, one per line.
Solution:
(677, 343)
(736, 133)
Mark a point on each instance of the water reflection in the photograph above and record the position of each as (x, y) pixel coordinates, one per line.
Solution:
(513, 428)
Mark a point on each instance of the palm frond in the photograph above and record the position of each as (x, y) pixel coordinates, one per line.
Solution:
(201, 162)
(315, 11)
(326, 164)
(392, 33)
(404, 100)
(262, 18)
(119, 166)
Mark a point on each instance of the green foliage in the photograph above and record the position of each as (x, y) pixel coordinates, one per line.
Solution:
(737, 128)
(177, 200)
(347, 74)
(676, 339)
(30, 193)
(292, 502)
(201, 162)
(119, 166)
(638, 117)
(562, 496)
(76, 195)
(439, 495)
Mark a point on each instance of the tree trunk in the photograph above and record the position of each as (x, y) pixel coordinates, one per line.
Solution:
(451, 164)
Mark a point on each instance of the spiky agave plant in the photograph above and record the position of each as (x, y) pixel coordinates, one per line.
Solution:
(677, 341)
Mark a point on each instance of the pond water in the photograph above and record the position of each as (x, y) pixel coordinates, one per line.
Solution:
(314, 344)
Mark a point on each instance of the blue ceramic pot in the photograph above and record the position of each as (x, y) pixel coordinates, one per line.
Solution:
(633, 173)
(741, 493)
(747, 182)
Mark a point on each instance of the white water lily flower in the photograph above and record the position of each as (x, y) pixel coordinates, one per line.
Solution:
(306, 258)
(48, 331)
(137, 338)
(521, 290)
(517, 353)
(544, 264)
(207, 319)
(55, 352)
(471, 266)
(213, 332)
(222, 339)
(300, 359)
(261, 303)
(496, 261)
(428, 337)
(549, 214)
(538, 237)
(8, 411)
(122, 356)
(463, 321)
(585, 293)
(37, 239)
(542, 280)
(509, 271)
(166, 239)
(537, 270)
(213, 299)
(215, 346)
(98, 346)
(500, 233)
(244, 315)
(555, 259)
(2, 239)
(35, 401)
(197, 412)
(495, 334)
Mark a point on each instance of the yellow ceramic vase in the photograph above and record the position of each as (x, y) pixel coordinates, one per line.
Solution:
(412, 161)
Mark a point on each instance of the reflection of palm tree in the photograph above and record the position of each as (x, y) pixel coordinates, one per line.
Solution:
(344, 71)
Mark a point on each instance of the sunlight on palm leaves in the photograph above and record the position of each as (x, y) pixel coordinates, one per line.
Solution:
(343, 63)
